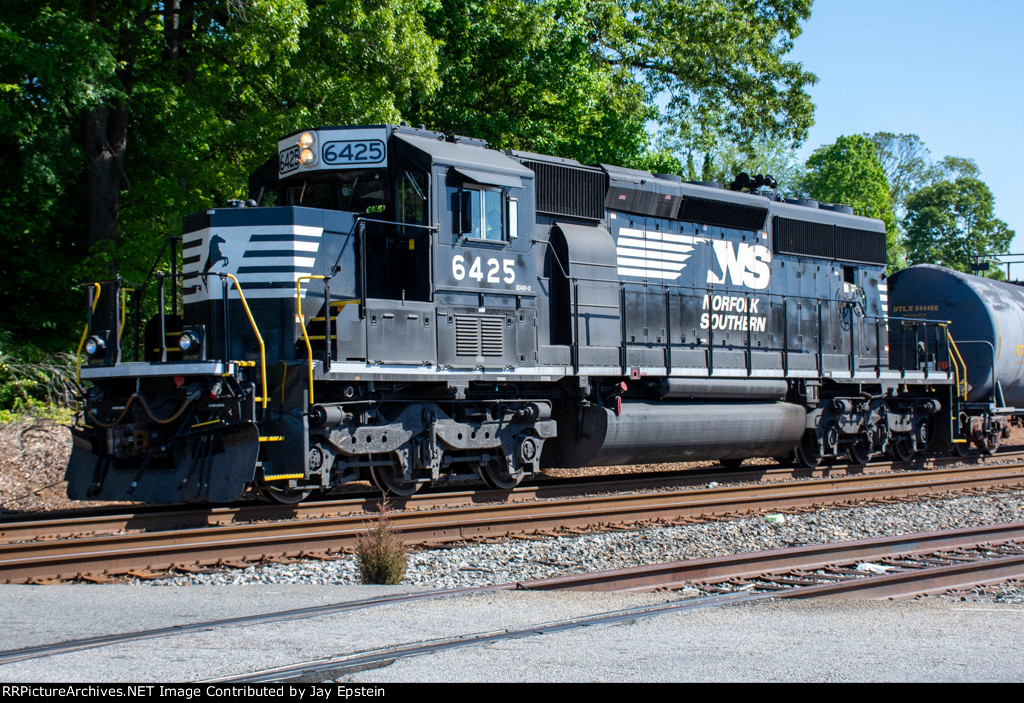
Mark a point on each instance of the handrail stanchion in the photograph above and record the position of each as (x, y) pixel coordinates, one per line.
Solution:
(302, 324)
(90, 308)
(259, 338)
(163, 322)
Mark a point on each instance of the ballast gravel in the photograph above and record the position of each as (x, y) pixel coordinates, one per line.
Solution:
(538, 557)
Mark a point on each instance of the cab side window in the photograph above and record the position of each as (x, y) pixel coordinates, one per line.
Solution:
(479, 213)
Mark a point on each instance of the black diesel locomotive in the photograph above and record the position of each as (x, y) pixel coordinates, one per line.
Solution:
(411, 307)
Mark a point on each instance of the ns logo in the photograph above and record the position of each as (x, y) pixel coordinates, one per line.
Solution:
(749, 265)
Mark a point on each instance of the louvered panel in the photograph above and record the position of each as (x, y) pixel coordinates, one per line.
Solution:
(722, 214)
(467, 335)
(479, 335)
(492, 342)
(860, 245)
(567, 190)
(804, 238)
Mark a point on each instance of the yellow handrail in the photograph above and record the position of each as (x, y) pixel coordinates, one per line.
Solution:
(85, 332)
(124, 310)
(302, 323)
(259, 338)
(956, 368)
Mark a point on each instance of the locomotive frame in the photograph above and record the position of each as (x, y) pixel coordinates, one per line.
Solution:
(412, 307)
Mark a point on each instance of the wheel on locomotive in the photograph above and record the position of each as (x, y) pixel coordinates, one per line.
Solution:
(495, 474)
(808, 452)
(859, 450)
(284, 496)
(901, 447)
(388, 480)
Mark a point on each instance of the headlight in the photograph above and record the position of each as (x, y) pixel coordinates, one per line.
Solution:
(188, 341)
(94, 345)
(307, 148)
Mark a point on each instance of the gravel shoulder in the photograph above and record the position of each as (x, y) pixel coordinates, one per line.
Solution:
(522, 559)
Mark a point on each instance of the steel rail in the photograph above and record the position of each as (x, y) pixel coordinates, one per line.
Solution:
(77, 523)
(645, 578)
(903, 585)
(80, 557)
(747, 565)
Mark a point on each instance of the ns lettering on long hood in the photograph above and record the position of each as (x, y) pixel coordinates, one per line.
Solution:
(664, 256)
(749, 265)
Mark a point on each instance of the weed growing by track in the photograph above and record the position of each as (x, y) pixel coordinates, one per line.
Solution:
(380, 553)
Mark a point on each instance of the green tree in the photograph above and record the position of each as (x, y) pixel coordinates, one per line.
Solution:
(529, 75)
(120, 116)
(726, 160)
(719, 64)
(905, 160)
(850, 173)
(51, 68)
(583, 78)
(952, 167)
(953, 222)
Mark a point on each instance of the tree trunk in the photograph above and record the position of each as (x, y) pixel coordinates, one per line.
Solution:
(106, 131)
(105, 136)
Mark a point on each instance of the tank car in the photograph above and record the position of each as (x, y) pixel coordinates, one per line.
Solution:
(409, 307)
(986, 319)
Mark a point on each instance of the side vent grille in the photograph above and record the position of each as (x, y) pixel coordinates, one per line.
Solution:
(721, 214)
(567, 190)
(804, 238)
(491, 336)
(860, 245)
(479, 335)
(828, 241)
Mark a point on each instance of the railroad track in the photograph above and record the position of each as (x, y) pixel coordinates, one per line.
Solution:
(99, 557)
(82, 523)
(919, 564)
(892, 567)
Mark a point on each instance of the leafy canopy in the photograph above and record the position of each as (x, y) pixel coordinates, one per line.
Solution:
(118, 117)
(952, 223)
(586, 78)
(849, 172)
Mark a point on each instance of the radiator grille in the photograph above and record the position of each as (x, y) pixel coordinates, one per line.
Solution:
(479, 335)
(706, 211)
(828, 241)
(860, 245)
(803, 238)
(566, 190)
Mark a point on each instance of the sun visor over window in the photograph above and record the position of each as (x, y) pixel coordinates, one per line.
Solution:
(490, 179)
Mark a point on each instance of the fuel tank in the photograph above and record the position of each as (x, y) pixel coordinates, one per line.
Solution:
(650, 432)
(986, 322)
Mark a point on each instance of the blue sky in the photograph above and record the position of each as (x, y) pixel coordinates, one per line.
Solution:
(950, 72)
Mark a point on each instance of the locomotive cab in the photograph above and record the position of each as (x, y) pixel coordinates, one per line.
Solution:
(372, 248)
